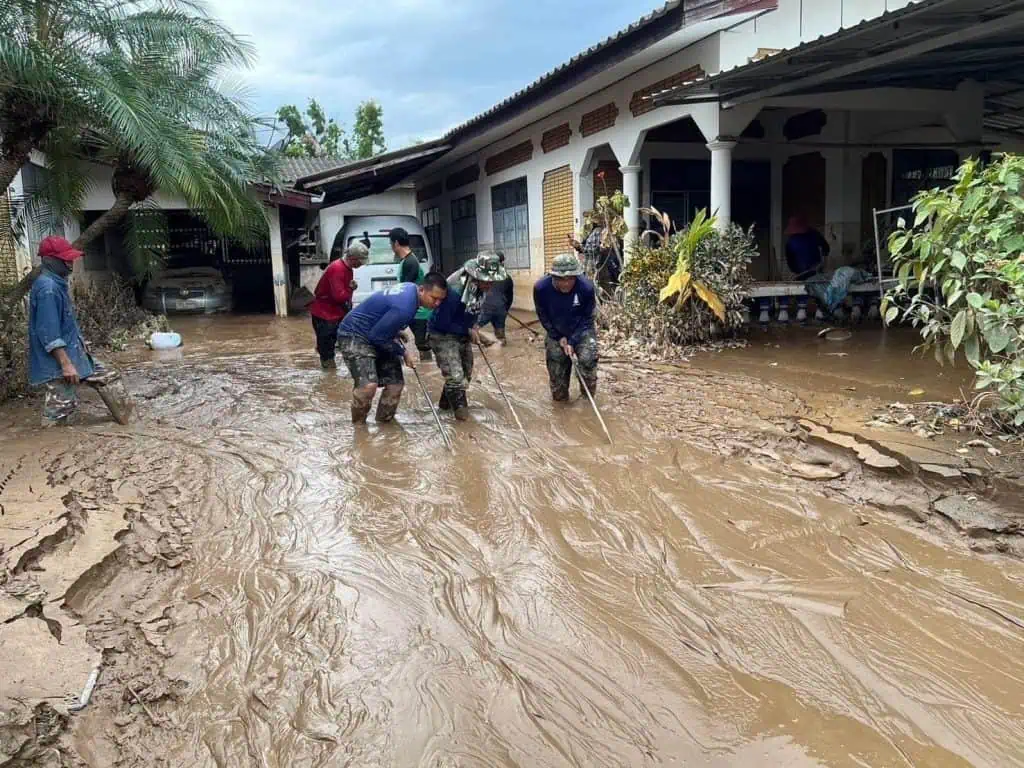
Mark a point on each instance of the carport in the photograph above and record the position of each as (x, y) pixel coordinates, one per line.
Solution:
(294, 205)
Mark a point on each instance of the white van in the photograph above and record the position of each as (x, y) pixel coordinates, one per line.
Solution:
(381, 270)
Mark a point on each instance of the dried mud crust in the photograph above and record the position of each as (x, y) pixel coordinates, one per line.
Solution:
(779, 430)
(95, 524)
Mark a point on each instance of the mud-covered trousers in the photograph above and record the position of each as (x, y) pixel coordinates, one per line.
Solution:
(560, 366)
(371, 366)
(454, 356)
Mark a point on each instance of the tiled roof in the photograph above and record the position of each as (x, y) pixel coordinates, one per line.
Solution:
(294, 168)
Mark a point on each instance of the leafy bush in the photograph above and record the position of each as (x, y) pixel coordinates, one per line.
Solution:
(702, 274)
(960, 267)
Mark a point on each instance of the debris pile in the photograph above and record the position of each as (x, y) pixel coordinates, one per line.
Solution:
(928, 420)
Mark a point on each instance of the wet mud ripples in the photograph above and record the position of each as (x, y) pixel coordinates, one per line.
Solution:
(364, 598)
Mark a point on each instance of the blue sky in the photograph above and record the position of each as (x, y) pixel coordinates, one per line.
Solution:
(431, 63)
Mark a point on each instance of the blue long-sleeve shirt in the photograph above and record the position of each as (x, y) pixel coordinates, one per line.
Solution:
(451, 315)
(380, 318)
(52, 325)
(565, 315)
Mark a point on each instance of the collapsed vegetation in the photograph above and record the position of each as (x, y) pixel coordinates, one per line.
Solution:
(681, 288)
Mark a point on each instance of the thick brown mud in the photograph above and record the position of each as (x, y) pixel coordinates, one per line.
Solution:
(263, 585)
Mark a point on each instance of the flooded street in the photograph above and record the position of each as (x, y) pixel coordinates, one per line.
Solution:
(363, 597)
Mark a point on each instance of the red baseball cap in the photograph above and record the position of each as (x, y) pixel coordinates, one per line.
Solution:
(58, 248)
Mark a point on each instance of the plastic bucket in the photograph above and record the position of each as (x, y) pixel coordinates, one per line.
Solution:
(165, 341)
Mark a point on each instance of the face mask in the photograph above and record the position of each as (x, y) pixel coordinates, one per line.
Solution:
(57, 266)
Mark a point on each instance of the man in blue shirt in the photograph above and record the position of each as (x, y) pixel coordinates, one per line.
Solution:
(368, 339)
(58, 359)
(565, 305)
(453, 328)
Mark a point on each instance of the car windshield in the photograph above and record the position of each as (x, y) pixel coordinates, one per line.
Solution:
(187, 260)
(380, 248)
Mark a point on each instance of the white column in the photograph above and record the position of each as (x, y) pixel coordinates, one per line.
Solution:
(631, 189)
(721, 181)
(277, 266)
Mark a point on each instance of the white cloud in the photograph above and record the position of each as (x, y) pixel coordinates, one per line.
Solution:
(343, 54)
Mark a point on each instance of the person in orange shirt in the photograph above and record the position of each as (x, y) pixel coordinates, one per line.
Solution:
(333, 299)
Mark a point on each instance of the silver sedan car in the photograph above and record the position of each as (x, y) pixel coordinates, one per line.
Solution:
(200, 290)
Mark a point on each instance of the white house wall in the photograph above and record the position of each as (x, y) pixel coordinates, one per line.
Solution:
(624, 139)
(100, 196)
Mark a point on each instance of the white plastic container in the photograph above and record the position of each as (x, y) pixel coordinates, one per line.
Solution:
(165, 340)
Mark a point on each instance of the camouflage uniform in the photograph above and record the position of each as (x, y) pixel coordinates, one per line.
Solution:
(454, 356)
(60, 399)
(558, 363)
(454, 351)
(369, 365)
(60, 403)
(560, 366)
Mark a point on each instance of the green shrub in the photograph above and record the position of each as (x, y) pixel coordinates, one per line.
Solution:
(960, 267)
(717, 263)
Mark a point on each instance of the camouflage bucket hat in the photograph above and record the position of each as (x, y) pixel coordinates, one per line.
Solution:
(486, 267)
(566, 265)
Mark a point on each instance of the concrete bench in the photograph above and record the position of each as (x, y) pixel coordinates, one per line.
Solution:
(774, 294)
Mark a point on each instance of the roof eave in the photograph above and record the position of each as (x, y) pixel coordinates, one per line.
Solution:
(662, 23)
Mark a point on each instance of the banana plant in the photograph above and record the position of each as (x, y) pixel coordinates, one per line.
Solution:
(682, 286)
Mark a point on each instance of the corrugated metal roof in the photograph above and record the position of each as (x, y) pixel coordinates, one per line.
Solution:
(991, 60)
(768, 63)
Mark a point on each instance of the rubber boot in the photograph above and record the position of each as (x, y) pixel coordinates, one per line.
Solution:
(426, 355)
(386, 410)
(591, 385)
(329, 365)
(499, 334)
(359, 413)
(443, 404)
(458, 399)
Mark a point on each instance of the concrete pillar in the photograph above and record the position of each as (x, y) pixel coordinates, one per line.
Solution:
(277, 265)
(721, 181)
(631, 189)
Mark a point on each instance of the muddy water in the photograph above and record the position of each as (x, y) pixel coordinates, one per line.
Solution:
(364, 598)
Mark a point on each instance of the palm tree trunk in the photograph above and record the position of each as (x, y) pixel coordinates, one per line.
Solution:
(122, 203)
(9, 167)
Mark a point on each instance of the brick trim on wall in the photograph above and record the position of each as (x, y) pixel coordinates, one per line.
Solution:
(520, 153)
(461, 178)
(556, 137)
(640, 105)
(599, 119)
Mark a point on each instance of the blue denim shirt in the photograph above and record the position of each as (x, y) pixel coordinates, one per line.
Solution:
(51, 325)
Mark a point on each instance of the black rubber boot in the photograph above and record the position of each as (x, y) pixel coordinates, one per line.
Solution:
(461, 404)
(443, 404)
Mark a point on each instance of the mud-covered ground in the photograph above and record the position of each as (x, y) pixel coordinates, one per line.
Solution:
(750, 575)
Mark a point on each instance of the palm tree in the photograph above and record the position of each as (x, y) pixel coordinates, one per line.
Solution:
(209, 156)
(101, 72)
(61, 61)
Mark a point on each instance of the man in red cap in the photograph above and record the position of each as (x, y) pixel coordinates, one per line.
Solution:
(58, 359)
